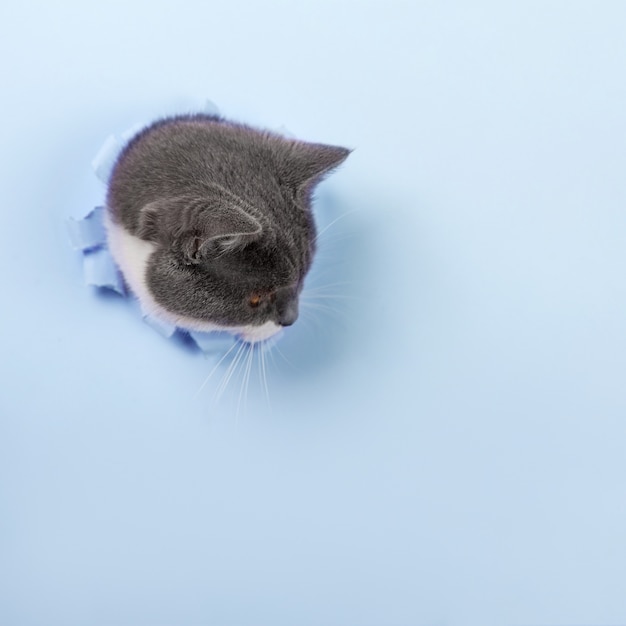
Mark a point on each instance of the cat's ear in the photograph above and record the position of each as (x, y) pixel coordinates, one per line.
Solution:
(304, 164)
(215, 223)
(220, 230)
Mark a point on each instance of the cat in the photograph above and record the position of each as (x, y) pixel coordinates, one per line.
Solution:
(210, 222)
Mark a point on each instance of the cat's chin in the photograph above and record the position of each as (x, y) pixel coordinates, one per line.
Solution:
(256, 334)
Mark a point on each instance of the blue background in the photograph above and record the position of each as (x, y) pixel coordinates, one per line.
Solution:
(447, 445)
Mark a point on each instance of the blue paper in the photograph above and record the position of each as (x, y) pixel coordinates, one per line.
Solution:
(89, 232)
(213, 342)
(161, 326)
(104, 160)
(100, 270)
(210, 108)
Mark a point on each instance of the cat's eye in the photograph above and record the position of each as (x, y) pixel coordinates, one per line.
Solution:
(255, 300)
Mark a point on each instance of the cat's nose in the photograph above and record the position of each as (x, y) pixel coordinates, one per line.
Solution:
(289, 314)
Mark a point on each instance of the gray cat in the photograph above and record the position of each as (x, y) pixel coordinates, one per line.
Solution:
(210, 222)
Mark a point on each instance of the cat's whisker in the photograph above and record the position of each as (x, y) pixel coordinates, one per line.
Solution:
(206, 380)
(305, 321)
(324, 237)
(335, 260)
(225, 377)
(307, 309)
(263, 373)
(331, 294)
(320, 302)
(229, 372)
(285, 358)
(248, 373)
(334, 312)
(324, 308)
(330, 243)
(240, 388)
(244, 369)
(343, 283)
(317, 318)
(321, 232)
(329, 266)
(326, 296)
(312, 321)
(271, 353)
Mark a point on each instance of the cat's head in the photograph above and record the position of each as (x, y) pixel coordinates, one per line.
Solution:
(234, 262)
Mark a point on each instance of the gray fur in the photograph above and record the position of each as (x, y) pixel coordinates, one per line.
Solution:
(229, 209)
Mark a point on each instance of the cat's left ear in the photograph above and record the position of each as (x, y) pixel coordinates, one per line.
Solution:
(220, 229)
(211, 224)
(304, 164)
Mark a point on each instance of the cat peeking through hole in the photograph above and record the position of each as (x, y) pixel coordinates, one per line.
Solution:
(210, 222)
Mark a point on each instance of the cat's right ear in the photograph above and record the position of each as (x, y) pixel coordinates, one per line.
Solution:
(303, 164)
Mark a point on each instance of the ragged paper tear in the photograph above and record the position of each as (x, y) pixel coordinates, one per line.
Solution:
(100, 271)
(88, 233)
